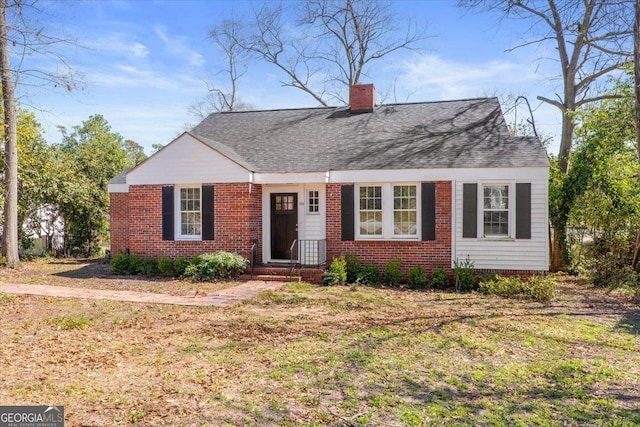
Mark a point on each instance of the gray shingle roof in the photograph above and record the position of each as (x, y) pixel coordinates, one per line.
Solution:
(448, 134)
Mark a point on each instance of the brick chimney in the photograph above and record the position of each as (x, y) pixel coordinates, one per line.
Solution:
(362, 98)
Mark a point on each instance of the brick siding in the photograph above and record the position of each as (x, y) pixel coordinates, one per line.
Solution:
(136, 225)
(136, 222)
(428, 254)
(119, 222)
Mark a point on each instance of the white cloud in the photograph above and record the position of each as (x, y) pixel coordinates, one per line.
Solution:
(178, 46)
(446, 79)
(120, 44)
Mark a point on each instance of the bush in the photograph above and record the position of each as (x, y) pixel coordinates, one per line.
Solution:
(369, 275)
(537, 288)
(392, 274)
(149, 267)
(541, 288)
(465, 275)
(337, 272)
(352, 268)
(181, 265)
(120, 264)
(502, 286)
(165, 267)
(218, 266)
(439, 279)
(417, 278)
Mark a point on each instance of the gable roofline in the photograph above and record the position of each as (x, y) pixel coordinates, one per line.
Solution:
(224, 150)
(121, 178)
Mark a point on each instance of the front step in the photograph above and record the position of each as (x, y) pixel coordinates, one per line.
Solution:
(271, 278)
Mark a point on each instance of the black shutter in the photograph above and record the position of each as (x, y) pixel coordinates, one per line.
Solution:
(428, 211)
(470, 210)
(347, 215)
(523, 210)
(208, 229)
(167, 213)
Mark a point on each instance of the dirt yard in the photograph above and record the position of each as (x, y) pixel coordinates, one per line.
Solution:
(309, 355)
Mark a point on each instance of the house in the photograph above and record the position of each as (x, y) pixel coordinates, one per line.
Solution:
(427, 183)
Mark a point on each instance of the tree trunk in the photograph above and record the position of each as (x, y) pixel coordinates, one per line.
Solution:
(636, 75)
(559, 248)
(10, 241)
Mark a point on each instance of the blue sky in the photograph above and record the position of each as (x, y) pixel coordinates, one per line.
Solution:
(145, 62)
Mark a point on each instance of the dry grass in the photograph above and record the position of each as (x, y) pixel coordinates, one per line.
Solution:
(96, 275)
(328, 356)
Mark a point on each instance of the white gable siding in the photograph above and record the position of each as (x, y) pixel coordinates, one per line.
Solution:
(184, 161)
(507, 254)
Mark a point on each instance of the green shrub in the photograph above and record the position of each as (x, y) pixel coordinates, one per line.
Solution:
(120, 264)
(369, 275)
(136, 264)
(337, 272)
(541, 288)
(218, 266)
(439, 279)
(502, 286)
(181, 265)
(465, 275)
(352, 268)
(417, 278)
(537, 288)
(165, 267)
(128, 264)
(149, 267)
(392, 274)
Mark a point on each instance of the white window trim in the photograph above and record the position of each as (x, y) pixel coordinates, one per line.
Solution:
(511, 185)
(178, 218)
(387, 212)
(308, 206)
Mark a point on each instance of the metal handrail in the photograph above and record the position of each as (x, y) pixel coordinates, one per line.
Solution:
(292, 260)
(254, 248)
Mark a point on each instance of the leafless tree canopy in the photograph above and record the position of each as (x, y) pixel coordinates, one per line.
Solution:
(331, 44)
(29, 38)
(592, 39)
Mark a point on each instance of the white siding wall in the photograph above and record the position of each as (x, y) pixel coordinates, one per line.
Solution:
(313, 227)
(507, 254)
(185, 161)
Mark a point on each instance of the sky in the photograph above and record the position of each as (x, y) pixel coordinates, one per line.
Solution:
(141, 64)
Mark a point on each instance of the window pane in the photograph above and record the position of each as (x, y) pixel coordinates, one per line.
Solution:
(496, 223)
(190, 211)
(371, 223)
(404, 210)
(370, 210)
(496, 197)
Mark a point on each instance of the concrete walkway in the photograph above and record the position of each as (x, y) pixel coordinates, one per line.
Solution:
(222, 298)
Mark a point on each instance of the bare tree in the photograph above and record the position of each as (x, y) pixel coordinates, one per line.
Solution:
(17, 34)
(332, 46)
(223, 92)
(10, 231)
(636, 86)
(591, 38)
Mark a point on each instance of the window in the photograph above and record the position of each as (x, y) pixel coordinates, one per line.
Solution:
(189, 213)
(313, 202)
(284, 203)
(387, 211)
(371, 211)
(404, 210)
(496, 210)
